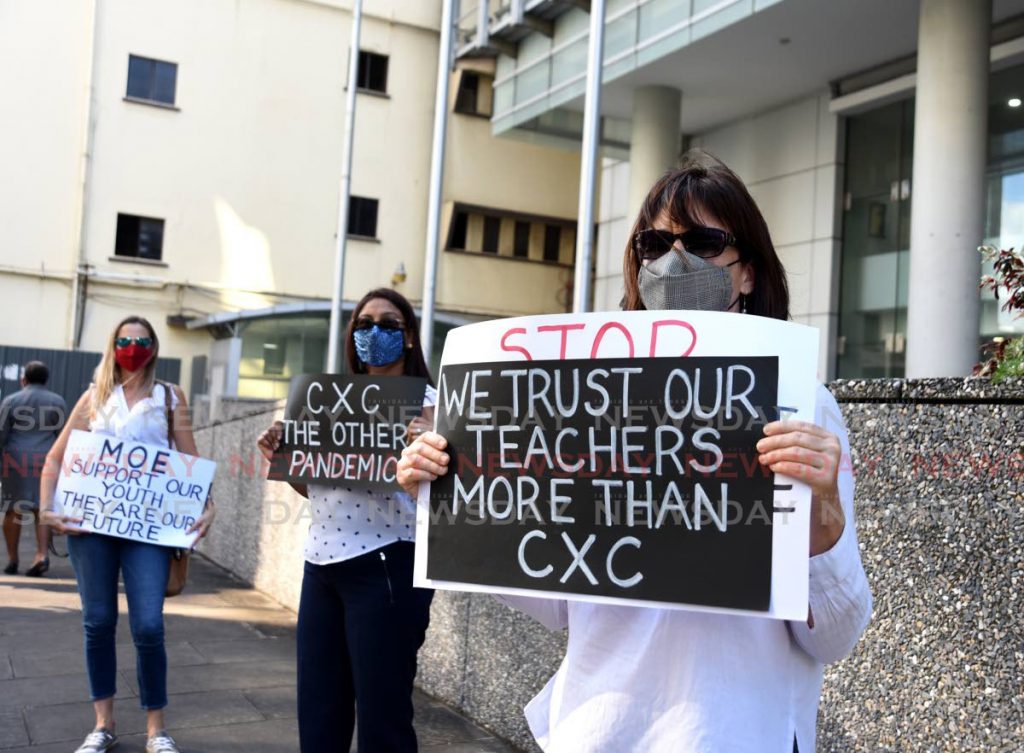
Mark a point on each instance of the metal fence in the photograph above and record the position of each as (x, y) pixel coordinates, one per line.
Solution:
(70, 371)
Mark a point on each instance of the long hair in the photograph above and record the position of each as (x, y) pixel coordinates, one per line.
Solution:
(108, 374)
(704, 184)
(415, 363)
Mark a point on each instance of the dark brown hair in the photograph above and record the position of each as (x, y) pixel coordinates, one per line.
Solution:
(702, 184)
(415, 364)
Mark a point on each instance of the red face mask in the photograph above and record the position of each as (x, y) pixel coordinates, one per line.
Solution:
(132, 357)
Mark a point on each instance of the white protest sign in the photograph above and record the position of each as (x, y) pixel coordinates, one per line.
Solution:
(133, 490)
(610, 457)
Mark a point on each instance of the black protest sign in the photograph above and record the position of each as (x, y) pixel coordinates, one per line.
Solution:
(631, 478)
(346, 430)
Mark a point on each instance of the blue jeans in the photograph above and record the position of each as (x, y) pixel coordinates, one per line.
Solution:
(97, 559)
(361, 623)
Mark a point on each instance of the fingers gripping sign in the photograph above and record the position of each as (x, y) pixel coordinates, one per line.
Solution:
(423, 460)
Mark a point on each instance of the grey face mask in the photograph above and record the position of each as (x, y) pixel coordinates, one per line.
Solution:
(680, 280)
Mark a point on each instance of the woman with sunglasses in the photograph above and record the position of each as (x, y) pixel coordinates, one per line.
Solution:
(361, 622)
(124, 401)
(657, 680)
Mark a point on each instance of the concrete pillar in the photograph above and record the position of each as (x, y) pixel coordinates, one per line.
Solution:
(654, 141)
(947, 210)
(655, 146)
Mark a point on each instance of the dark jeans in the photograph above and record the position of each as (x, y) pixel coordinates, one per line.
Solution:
(97, 559)
(360, 625)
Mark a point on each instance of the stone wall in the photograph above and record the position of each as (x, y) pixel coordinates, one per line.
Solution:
(940, 514)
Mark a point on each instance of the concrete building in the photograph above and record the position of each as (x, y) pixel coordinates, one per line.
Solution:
(182, 161)
(884, 142)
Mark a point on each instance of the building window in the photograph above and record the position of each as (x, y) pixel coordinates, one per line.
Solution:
(877, 200)
(510, 235)
(373, 72)
(273, 358)
(475, 95)
(459, 231)
(362, 217)
(151, 80)
(552, 243)
(139, 237)
(492, 234)
(521, 247)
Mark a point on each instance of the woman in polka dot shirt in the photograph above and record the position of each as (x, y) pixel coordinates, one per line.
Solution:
(361, 622)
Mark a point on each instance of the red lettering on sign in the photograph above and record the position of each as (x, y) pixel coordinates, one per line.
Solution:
(564, 329)
(515, 348)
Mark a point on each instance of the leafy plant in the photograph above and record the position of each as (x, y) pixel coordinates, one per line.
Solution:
(1005, 356)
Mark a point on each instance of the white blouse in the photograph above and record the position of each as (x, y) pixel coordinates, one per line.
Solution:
(347, 523)
(669, 681)
(146, 421)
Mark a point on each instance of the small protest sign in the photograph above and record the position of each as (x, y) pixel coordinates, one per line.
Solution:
(346, 430)
(611, 457)
(133, 490)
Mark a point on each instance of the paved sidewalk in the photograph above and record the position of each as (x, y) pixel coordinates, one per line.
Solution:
(231, 652)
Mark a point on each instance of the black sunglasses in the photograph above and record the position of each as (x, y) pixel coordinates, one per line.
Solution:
(705, 242)
(386, 324)
(142, 342)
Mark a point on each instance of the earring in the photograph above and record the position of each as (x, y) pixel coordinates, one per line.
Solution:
(743, 303)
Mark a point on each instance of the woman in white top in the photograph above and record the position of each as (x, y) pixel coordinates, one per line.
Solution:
(361, 622)
(125, 401)
(658, 680)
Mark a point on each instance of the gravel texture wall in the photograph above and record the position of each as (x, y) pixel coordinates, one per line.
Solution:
(940, 515)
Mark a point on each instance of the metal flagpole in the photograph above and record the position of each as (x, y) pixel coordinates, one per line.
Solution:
(449, 12)
(588, 159)
(334, 336)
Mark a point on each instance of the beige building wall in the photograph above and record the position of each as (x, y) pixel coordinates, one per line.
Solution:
(44, 48)
(516, 176)
(244, 169)
(791, 160)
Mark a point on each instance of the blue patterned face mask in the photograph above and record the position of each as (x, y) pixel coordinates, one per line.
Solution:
(379, 347)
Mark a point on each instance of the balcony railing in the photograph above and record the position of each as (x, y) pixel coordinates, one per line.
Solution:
(488, 28)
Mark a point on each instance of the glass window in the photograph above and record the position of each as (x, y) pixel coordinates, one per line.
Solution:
(362, 216)
(278, 348)
(152, 80)
(459, 230)
(552, 243)
(521, 247)
(373, 72)
(140, 237)
(469, 85)
(876, 243)
(876, 226)
(492, 234)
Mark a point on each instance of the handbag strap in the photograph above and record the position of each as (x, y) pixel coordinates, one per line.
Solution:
(170, 413)
(177, 554)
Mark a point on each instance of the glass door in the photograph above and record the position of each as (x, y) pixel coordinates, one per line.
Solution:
(876, 242)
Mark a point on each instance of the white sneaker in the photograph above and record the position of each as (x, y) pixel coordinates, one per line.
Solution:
(98, 741)
(161, 742)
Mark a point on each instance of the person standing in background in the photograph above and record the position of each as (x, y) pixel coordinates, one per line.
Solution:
(30, 422)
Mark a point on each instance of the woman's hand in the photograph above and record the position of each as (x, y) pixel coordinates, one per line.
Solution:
(810, 454)
(205, 521)
(423, 460)
(59, 523)
(270, 440)
(417, 426)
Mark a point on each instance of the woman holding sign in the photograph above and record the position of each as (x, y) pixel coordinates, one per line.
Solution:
(361, 622)
(127, 402)
(659, 680)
